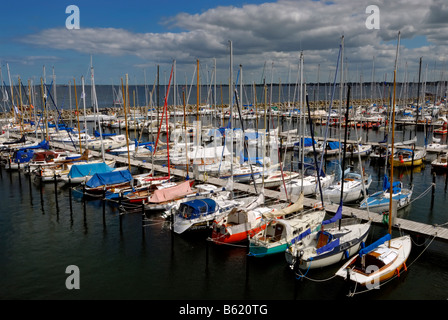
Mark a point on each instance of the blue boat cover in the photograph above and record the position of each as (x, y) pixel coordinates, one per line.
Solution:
(109, 178)
(197, 207)
(301, 236)
(386, 184)
(23, 156)
(374, 245)
(308, 142)
(97, 134)
(336, 217)
(328, 247)
(42, 145)
(88, 169)
(333, 145)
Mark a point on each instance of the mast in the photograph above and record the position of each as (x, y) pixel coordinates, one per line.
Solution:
(392, 141)
(21, 106)
(126, 99)
(418, 88)
(197, 92)
(341, 87)
(77, 115)
(231, 108)
(302, 159)
(83, 96)
(44, 105)
(95, 107)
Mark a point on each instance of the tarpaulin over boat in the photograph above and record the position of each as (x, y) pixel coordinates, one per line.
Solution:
(171, 193)
(89, 169)
(109, 178)
(374, 245)
(333, 145)
(308, 142)
(197, 207)
(42, 145)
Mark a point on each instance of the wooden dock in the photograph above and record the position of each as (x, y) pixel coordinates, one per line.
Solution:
(413, 228)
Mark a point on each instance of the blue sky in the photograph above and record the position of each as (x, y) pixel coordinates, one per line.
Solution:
(133, 37)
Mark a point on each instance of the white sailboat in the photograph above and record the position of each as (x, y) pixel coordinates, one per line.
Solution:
(282, 227)
(324, 247)
(380, 261)
(321, 248)
(354, 188)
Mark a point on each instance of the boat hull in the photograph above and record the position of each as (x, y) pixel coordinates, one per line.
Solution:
(332, 258)
(220, 238)
(402, 248)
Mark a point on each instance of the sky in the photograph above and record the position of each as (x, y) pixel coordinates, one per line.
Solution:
(136, 38)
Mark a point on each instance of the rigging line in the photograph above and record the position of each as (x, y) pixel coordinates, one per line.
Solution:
(423, 193)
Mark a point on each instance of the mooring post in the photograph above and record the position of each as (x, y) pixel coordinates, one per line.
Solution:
(84, 198)
(104, 205)
(143, 218)
(70, 193)
(206, 254)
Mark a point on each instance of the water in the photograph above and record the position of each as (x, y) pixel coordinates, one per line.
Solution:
(142, 95)
(42, 232)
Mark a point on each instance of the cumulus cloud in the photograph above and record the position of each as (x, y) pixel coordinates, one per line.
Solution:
(274, 32)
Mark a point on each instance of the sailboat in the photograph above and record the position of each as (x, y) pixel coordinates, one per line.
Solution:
(282, 226)
(380, 261)
(354, 188)
(241, 223)
(406, 157)
(321, 248)
(276, 178)
(379, 201)
(441, 162)
(199, 213)
(436, 146)
(443, 129)
(353, 185)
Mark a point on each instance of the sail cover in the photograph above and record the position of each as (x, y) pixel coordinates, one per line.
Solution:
(301, 236)
(109, 178)
(328, 247)
(336, 217)
(374, 245)
(171, 193)
(42, 145)
(88, 169)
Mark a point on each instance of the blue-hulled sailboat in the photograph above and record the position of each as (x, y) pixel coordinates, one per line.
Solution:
(379, 201)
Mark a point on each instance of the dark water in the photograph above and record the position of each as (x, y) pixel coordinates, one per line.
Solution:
(42, 233)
